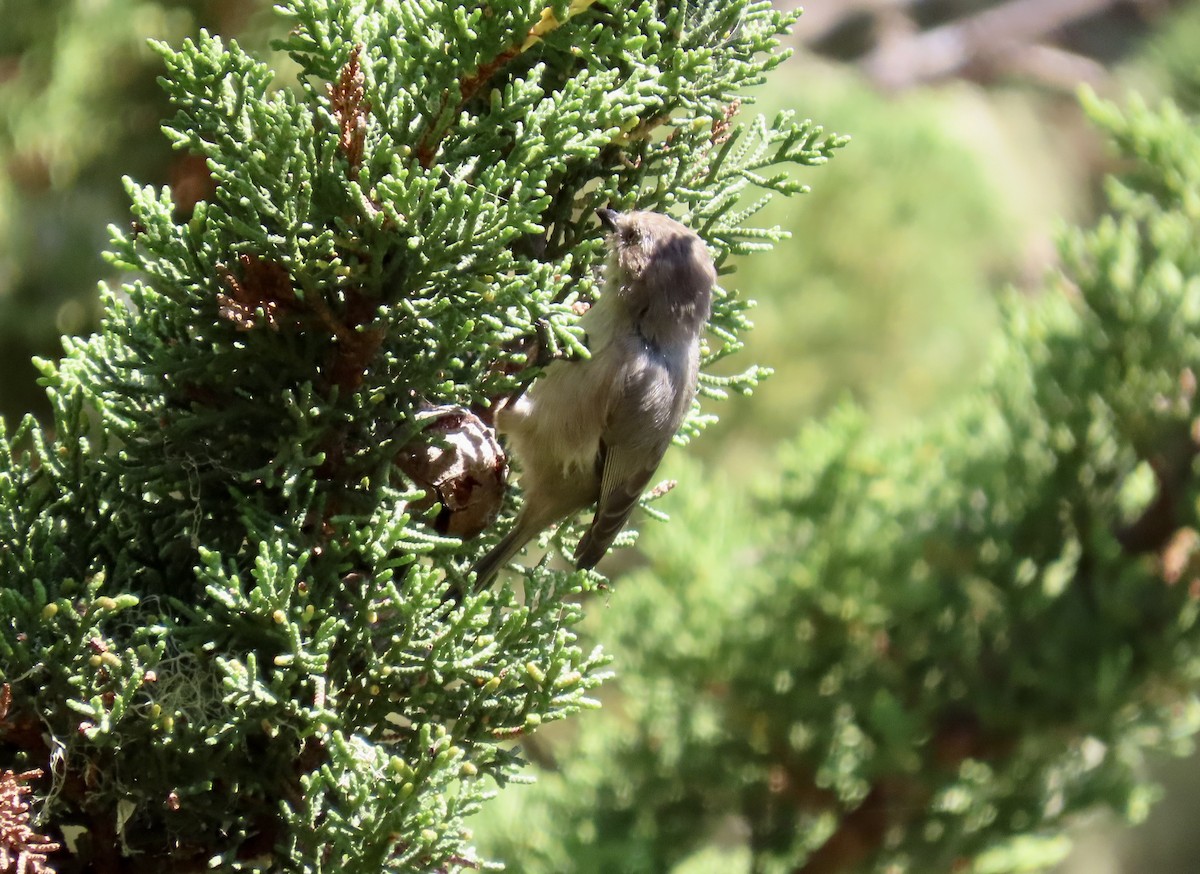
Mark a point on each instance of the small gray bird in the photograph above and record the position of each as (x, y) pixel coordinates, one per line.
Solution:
(594, 431)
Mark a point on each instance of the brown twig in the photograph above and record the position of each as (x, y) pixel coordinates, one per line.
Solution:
(22, 849)
(891, 801)
(1154, 529)
(427, 146)
(264, 287)
(469, 85)
(349, 106)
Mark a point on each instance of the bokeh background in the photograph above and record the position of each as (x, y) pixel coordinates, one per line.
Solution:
(969, 151)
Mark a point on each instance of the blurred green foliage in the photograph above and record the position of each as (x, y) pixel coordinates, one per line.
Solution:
(79, 107)
(885, 292)
(1168, 64)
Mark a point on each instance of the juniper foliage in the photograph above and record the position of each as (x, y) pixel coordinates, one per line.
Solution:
(231, 636)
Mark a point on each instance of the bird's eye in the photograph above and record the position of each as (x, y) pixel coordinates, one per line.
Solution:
(631, 236)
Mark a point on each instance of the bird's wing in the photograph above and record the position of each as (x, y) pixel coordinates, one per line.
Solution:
(638, 427)
(625, 472)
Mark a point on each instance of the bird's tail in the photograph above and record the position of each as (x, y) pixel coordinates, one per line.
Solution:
(501, 554)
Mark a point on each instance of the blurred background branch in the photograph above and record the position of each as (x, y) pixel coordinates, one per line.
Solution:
(904, 43)
(986, 38)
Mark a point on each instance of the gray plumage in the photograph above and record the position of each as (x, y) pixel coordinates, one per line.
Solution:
(594, 431)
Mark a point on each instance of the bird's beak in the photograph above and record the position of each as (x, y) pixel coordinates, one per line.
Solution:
(608, 218)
